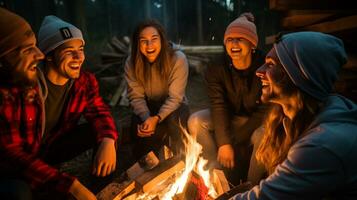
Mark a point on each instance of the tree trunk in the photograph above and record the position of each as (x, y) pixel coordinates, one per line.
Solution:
(148, 9)
(199, 22)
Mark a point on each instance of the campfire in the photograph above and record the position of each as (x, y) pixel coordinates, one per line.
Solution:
(169, 179)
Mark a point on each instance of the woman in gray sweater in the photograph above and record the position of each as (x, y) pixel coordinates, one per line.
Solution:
(156, 75)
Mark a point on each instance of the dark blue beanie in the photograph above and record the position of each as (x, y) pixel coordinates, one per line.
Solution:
(312, 61)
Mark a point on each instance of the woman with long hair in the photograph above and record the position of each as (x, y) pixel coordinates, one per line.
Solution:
(156, 73)
(310, 143)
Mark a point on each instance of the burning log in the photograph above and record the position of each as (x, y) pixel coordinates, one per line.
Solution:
(219, 181)
(176, 179)
(196, 188)
(162, 172)
(146, 163)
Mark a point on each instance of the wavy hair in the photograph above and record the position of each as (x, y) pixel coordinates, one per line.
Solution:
(280, 131)
(138, 60)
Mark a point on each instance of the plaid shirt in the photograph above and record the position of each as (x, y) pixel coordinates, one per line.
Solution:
(21, 125)
(21, 128)
(84, 99)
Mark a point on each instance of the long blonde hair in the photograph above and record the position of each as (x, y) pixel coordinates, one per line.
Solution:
(140, 63)
(277, 139)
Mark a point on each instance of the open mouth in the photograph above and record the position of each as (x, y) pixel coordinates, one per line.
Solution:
(33, 67)
(265, 84)
(236, 50)
(74, 66)
(150, 51)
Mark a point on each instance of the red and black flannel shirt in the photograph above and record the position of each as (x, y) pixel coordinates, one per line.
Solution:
(21, 121)
(84, 99)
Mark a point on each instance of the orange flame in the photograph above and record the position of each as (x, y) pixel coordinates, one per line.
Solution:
(193, 162)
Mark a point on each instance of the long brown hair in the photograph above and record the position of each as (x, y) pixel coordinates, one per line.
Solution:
(140, 63)
(280, 131)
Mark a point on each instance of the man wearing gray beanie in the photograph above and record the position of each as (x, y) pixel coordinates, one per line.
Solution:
(310, 143)
(70, 94)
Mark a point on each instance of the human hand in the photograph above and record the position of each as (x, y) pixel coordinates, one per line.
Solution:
(105, 158)
(225, 156)
(80, 192)
(147, 128)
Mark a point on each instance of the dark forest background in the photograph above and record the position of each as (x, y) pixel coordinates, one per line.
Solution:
(188, 22)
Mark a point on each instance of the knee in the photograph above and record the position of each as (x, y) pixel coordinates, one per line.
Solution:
(194, 123)
(257, 136)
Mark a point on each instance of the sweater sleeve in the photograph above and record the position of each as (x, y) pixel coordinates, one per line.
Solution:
(219, 109)
(177, 86)
(309, 172)
(98, 113)
(136, 92)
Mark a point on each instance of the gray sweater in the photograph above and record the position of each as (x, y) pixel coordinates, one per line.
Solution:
(173, 91)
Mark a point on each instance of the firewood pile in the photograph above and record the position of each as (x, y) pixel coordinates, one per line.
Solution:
(152, 175)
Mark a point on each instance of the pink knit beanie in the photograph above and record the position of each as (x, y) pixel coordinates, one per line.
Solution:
(243, 27)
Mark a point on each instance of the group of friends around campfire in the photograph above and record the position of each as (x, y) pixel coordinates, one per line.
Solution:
(273, 119)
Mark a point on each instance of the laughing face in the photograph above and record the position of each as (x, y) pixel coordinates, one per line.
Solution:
(150, 43)
(239, 49)
(273, 79)
(24, 61)
(68, 59)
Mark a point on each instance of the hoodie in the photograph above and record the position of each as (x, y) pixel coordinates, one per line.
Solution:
(321, 164)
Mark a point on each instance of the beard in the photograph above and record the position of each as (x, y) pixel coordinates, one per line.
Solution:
(22, 80)
(10, 76)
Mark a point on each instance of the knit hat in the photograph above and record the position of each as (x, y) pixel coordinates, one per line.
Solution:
(54, 32)
(13, 31)
(243, 27)
(312, 60)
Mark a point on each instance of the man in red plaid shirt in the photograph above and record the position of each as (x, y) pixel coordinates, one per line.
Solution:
(38, 121)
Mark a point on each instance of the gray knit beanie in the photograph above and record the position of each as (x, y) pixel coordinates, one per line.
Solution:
(54, 32)
(312, 61)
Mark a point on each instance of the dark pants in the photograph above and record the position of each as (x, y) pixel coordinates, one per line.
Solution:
(65, 148)
(14, 189)
(168, 132)
(70, 145)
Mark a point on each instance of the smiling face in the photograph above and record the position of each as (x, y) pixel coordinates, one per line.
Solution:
(150, 43)
(24, 62)
(67, 59)
(273, 79)
(240, 50)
